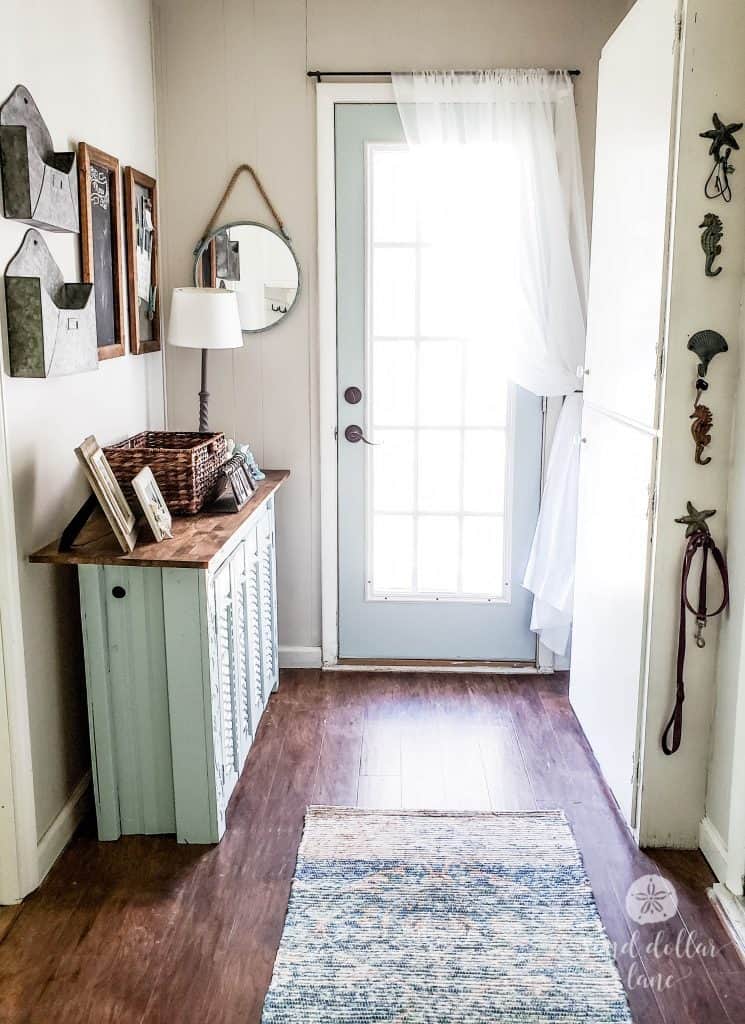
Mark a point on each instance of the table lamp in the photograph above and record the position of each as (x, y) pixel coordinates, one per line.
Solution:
(204, 318)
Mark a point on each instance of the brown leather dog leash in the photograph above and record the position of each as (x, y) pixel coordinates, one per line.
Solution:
(699, 538)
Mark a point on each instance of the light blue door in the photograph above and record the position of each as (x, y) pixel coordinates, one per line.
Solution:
(437, 513)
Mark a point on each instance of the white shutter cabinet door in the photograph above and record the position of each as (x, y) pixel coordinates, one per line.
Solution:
(243, 724)
(268, 598)
(227, 681)
(251, 598)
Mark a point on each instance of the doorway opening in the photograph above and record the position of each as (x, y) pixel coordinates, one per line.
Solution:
(431, 458)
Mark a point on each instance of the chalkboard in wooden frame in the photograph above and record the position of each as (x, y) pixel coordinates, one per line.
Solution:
(101, 244)
(143, 279)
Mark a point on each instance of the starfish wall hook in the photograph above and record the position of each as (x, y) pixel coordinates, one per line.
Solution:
(723, 141)
(695, 521)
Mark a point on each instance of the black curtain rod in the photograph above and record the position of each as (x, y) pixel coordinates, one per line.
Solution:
(318, 75)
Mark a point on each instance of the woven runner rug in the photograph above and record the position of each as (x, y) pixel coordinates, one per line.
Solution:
(419, 917)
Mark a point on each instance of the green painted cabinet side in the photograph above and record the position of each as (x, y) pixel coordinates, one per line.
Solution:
(124, 644)
(100, 715)
(139, 689)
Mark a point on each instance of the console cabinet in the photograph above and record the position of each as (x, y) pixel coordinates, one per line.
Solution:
(180, 644)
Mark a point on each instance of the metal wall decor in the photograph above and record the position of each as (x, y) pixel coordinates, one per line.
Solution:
(40, 186)
(723, 141)
(51, 325)
(713, 232)
(705, 345)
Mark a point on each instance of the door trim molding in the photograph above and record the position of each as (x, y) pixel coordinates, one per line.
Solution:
(19, 863)
(327, 95)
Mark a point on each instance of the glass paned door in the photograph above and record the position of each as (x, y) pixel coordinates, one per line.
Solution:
(437, 513)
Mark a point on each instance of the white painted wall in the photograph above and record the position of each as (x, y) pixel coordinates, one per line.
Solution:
(90, 73)
(723, 828)
(232, 88)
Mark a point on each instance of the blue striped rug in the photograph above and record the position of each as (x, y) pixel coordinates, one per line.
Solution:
(421, 917)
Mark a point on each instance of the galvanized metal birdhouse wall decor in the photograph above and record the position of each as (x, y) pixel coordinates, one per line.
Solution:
(51, 325)
(40, 186)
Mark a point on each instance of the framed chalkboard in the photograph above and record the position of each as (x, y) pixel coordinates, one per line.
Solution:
(141, 202)
(101, 244)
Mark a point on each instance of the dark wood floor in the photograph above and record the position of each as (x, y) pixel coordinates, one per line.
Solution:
(146, 930)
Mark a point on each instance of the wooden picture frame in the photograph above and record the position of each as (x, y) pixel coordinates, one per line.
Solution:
(108, 493)
(234, 487)
(100, 189)
(141, 201)
(153, 504)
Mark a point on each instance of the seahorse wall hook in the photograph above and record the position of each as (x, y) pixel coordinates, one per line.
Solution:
(705, 345)
(713, 233)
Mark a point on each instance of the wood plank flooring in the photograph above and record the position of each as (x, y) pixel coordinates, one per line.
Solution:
(146, 930)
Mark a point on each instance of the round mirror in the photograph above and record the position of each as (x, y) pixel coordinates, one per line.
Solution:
(256, 263)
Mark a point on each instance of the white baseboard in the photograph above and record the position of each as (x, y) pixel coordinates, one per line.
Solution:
(299, 657)
(61, 831)
(470, 668)
(731, 910)
(713, 848)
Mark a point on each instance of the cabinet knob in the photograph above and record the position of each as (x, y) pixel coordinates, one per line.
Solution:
(119, 591)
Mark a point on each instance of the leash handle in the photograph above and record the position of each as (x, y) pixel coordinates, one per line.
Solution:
(702, 539)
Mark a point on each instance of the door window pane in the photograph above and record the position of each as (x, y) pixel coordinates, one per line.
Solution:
(438, 554)
(441, 304)
(393, 553)
(483, 471)
(394, 292)
(393, 471)
(482, 560)
(393, 383)
(439, 471)
(485, 386)
(393, 198)
(439, 384)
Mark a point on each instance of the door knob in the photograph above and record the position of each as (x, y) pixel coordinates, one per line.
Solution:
(353, 395)
(353, 433)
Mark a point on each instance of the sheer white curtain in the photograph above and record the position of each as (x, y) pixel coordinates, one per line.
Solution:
(497, 156)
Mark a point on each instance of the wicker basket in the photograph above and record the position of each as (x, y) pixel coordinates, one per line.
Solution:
(184, 465)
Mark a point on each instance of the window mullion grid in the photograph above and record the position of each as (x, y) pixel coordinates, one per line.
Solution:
(461, 478)
(417, 343)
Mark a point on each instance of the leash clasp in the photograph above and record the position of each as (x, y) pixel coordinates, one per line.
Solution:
(700, 626)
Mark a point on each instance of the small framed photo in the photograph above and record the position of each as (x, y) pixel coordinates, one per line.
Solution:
(108, 492)
(141, 201)
(153, 504)
(234, 487)
(101, 244)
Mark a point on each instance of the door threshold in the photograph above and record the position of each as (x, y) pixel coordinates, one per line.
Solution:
(412, 665)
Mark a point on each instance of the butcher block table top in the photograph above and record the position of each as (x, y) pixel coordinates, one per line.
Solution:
(196, 544)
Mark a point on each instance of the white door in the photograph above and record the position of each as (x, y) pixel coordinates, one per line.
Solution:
(436, 514)
(636, 115)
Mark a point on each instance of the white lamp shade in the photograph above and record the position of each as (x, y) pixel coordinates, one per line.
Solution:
(204, 318)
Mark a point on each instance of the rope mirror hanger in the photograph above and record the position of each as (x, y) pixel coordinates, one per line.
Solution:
(254, 260)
